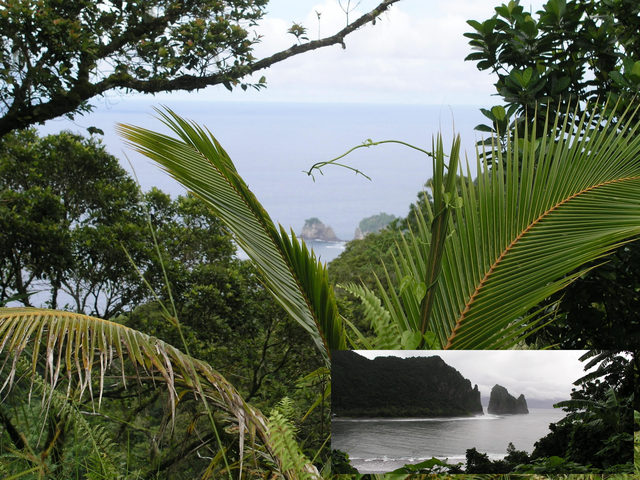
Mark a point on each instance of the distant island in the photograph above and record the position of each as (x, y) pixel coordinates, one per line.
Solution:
(314, 229)
(502, 402)
(372, 224)
(399, 387)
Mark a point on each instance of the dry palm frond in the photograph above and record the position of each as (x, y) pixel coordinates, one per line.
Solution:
(79, 349)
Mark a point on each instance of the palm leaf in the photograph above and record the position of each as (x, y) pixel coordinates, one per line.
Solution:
(79, 349)
(546, 208)
(297, 280)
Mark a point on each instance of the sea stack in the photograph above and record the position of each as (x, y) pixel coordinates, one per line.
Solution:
(502, 402)
(314, 229)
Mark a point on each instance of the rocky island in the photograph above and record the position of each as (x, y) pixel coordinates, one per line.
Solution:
(314, 229)
(372, 224)
(399, 387)
(502, 402)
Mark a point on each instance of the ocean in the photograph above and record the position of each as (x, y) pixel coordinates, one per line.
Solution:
(379, 445)
(272, 144)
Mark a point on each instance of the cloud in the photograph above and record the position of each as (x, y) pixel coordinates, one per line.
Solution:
(407, 57)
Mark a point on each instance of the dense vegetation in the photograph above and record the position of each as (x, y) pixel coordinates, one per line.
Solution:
(84, 242)
(374, 223)
(399, 387)
(211, 367)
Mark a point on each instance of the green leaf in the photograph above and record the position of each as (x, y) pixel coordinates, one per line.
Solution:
(635, 72)
(431, 341)
(410, 340)
(498, 112)
(420, 290)
(529, 222)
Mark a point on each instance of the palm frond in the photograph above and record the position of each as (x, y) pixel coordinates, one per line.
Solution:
(79, 349)
(527, 224)
(291, 272)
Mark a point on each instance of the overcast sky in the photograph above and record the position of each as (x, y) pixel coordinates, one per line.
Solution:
(414, 54)
(539, 374)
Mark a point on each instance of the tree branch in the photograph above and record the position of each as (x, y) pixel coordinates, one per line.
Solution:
(83, 90)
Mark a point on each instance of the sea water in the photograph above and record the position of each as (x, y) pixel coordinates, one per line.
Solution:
(273, 144)
(379, 445)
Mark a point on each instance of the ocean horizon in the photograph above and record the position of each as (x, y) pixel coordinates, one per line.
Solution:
(274, 144)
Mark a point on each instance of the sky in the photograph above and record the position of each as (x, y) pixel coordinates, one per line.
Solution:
(414, 54)
(538, 374)
(413, 57)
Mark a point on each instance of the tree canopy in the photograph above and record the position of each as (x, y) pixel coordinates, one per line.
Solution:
(66, 210)
(568, 51)
(56, 56)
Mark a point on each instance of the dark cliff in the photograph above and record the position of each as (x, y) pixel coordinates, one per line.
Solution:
(399, 387)
(501, 402)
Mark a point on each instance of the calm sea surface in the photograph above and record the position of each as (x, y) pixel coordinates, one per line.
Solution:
(381, 445)
(272, 143)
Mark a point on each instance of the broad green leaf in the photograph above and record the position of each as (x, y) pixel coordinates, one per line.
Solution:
(410, 340)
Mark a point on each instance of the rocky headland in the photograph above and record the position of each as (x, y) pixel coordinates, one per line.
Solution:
(399, 387)
(502, 402)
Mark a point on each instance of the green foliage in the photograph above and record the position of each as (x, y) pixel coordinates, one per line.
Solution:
(387, 333)
(459, 270)
(298, 31)
(480, 463)
(61, 233)
(149, 46)
(431, 466)
(636, 442)
(340, 463)
(568, 51)
(24, 446)
(598, 427)
(282, 433)
(553, 465)
(228, 318)
(375, 223)
(290, 271)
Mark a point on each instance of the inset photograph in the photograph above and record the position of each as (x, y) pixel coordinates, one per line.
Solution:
(492, 411)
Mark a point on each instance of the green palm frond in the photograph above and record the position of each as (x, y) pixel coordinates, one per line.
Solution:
(292, 273)
(543, 210)
(79, 349)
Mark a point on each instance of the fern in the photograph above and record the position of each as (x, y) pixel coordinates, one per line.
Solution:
(94, 454)
(100, 461)
(387, 332)
(282, 433)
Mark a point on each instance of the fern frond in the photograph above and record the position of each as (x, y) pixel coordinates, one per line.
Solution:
(387, 332)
